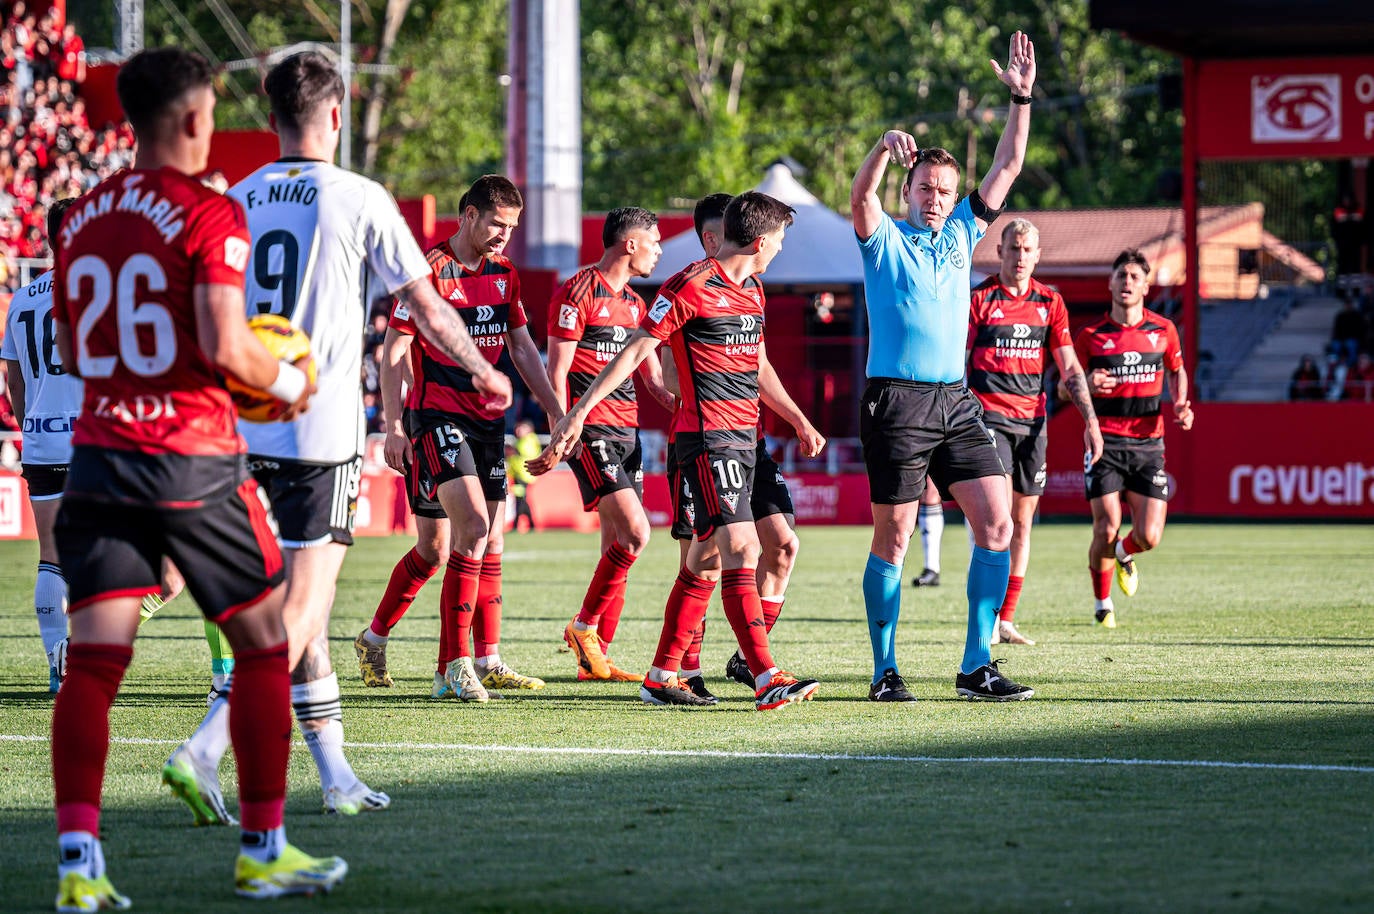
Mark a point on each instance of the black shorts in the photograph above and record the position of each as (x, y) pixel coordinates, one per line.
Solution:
(1128, 464)
(909, 428)
(225, 549)
(608, 465)
(719, 482)
(444, 450)
(45, 480)
(1021, 448)
(770, 495)
(313, 503)
(684, 518)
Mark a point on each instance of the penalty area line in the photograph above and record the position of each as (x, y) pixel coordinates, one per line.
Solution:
(792, 756)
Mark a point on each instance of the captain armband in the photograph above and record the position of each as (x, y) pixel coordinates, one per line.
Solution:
(980, 208)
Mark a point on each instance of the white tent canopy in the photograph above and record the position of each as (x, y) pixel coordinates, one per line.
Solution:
(818, 249)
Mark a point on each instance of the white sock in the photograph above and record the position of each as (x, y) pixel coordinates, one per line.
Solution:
(211, 739)
(658, 674)
(931, 520)
(326, 746)
(263, 846)
(1121, 555)
(318, 701)
(220, 681)
(79, 852)
(50, 605)
(1104, 604)
(374, 639)
(762, 679)
(488, 663)
(685, 673)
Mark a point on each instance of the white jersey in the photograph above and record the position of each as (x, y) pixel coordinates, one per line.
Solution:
(323, 240)
(52, 398)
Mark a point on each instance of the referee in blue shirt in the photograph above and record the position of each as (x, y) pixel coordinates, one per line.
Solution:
(916, 417)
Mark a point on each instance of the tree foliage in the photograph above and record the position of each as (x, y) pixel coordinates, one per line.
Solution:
(685, 97)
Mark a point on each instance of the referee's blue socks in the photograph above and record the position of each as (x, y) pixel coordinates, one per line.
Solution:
(987, 586)
(883, 603)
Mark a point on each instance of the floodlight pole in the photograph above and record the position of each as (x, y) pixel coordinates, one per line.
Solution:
(346, 72)
(129, 22)
(1189, 310)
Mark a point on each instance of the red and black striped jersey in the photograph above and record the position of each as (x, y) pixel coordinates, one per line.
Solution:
(1009, 339)
(601, 320)
(488, 301)
(1137, 357)
(715, 327)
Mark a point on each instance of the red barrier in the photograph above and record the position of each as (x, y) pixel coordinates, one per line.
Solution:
(1264, 461)
(1256, 460)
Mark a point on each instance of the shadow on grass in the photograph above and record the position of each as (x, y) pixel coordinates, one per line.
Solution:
(489, 831)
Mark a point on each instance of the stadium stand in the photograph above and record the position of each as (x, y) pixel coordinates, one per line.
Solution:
(48, 148)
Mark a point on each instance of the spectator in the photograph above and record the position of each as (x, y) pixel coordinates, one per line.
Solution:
(1359, 381)
(71, 61)
(1306, 383)
(1348, 331)
(48, 149)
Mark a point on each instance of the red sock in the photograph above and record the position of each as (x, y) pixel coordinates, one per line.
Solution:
(681, 618)
(740, 594)
(456, 603)
(1102, 583)
(486, 622)
(605, 598)
(691, 659)
(409, 575)
(260, 730)
(772, 608)
(81, 732)
(1013, 594)
(1129, 545)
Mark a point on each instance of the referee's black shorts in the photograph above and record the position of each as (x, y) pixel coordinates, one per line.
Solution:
(910, 429)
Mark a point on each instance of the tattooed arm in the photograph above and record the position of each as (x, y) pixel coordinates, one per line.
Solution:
(1073, 386)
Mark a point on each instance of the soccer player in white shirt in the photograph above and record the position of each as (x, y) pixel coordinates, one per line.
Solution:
(321, 237)
(46, 400)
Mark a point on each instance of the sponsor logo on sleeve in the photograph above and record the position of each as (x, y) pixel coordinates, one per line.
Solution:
(660, 309)
(236, 253)
(567, 317)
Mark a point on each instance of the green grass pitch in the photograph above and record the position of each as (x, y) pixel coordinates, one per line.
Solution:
(1213, 753)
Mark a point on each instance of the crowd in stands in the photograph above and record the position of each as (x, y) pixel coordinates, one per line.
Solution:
(1348, 373)
(48, 148)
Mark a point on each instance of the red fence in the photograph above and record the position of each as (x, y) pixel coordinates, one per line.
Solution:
(1270, 461)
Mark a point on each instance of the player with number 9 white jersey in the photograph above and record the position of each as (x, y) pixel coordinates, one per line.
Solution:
(52, 397)
(322, 237)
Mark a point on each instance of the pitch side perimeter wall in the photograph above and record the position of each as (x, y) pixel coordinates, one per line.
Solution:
(1279, 461)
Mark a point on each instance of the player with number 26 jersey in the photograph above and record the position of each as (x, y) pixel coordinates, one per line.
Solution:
(127, 258)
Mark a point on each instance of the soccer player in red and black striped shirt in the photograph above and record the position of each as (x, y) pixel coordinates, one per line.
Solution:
(1014, 319)
(1128, 355)
(451, 447)
(712, 313)
(591, 317)
(770, 500)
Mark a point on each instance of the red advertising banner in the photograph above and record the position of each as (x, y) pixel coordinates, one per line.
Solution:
(1318, 107)
(1262, 461)
(1268, 461)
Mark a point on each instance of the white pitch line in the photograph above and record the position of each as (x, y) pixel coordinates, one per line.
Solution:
(794, 756)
